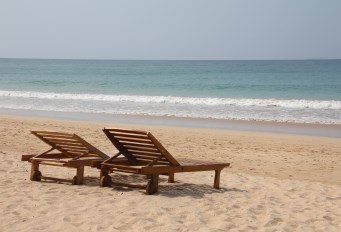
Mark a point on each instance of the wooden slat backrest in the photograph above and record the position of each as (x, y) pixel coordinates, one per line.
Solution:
(140, 146)
(70, 145)
(92, 149)
(163, 150)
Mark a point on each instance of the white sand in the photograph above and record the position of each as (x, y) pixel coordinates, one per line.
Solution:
(276, 183)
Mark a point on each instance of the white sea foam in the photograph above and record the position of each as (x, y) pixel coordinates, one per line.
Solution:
(304, 111)
(296, 104)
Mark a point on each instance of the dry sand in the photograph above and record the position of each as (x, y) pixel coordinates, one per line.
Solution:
(276, 182)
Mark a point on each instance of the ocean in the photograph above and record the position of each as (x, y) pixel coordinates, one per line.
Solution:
(301, 91)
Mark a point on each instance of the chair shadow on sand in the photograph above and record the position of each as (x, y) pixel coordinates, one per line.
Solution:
(177, 189)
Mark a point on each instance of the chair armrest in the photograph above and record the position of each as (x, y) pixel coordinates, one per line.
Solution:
(27, 157)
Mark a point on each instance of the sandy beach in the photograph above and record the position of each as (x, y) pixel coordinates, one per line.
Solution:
(276, 182)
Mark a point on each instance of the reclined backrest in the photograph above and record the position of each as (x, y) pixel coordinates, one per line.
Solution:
(140, 147)
(71, 145)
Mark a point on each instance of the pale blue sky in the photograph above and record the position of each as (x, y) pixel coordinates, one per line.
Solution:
(173, 29)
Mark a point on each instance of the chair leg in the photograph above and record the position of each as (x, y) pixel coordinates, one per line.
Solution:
(171, 178)
(153, 184)
(217, 179)
(104, 172)
(35, 173)
(105, 181)
(78, 178)
(80, 175)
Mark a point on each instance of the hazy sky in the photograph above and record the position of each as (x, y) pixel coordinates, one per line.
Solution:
(173, 29)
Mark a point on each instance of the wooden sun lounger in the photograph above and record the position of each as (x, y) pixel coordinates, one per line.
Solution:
(141, 153)
(67, 150)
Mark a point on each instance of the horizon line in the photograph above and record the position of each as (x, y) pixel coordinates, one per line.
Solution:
(101, 59)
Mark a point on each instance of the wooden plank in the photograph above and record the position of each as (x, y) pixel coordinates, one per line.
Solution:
(91, 148)
(154, 161)
(174, 169)
(53, 156)
(138, 156)
(74, 146)
(163, 150)
(149, 162)
(72, 153)
(51, 133)
(27, 157)
(96, 164)
(146, 153)
(120, 147)
(52, 164)
(82, 152)
(138, 148)
(80, 156)
(151, 157)
(46, 159)
(123, 171)
(74, 149)
(126, 131)
(56, 136)
(147, 159)
(75, 153)
(123, 167)
(75, 143)
(64, 141)
(120, 162)
(49, 142)
(91, 156)
(138, 144)
(160, 169)
(206, 167)
(126, 135)
(57, 142)
(143, 141)
(144, 159)
(42, 139)
(160, 162)
(80, 162)
(112, 158)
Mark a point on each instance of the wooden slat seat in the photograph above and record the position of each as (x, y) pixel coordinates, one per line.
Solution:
(145, 155)
(72, 152)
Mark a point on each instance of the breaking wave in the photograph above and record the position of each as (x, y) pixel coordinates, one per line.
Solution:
(296, 104)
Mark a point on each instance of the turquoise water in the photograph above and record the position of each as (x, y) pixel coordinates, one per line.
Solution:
(300, 91)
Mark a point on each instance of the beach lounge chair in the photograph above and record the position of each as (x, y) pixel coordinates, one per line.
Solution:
(67, 150)
(140, 152)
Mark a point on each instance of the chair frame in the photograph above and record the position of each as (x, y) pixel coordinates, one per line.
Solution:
(141, 153)
(67, 150)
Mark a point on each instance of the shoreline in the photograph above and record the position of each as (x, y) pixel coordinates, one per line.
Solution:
(319, 130)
